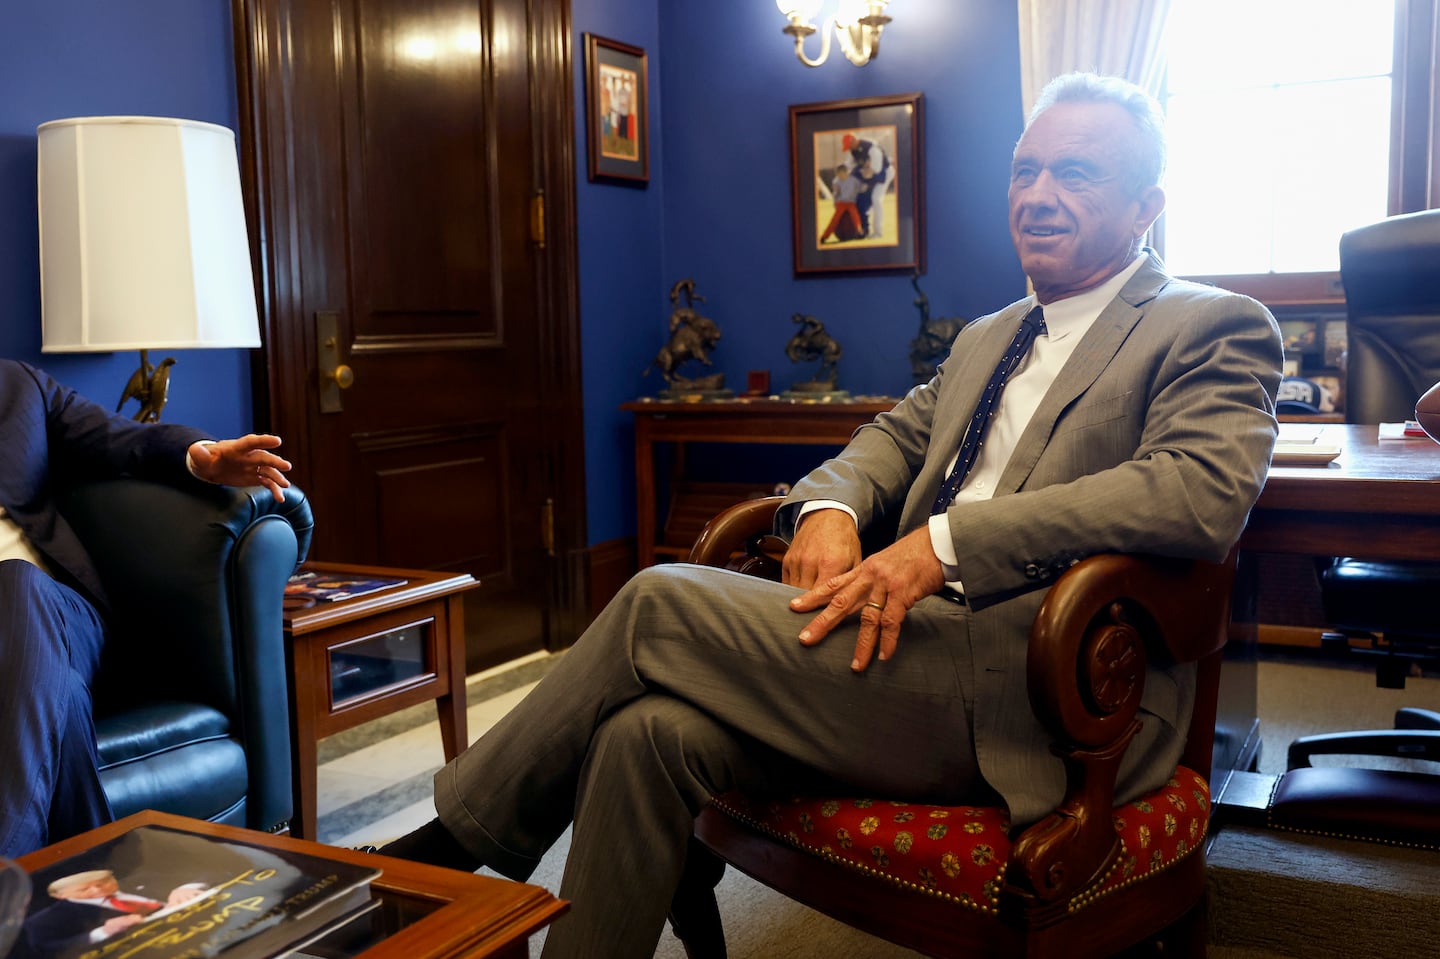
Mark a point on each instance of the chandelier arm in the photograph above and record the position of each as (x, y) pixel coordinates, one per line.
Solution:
(800, 32)
(860, 40)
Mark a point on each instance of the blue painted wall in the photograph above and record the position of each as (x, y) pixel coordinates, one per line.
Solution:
(717, 207)
(724, 77)
(66, 58)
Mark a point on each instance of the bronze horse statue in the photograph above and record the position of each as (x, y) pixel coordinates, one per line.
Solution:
(692, 336)
(811, 342)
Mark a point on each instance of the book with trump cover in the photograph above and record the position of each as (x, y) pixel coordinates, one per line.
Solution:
(156, 892)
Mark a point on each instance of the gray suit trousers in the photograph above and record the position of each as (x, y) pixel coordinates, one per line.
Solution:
(689, 683)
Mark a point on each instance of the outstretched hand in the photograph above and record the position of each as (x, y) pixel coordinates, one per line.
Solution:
(881, 589)
(246, 461)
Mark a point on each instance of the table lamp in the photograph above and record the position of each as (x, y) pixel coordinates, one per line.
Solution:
(142, 243)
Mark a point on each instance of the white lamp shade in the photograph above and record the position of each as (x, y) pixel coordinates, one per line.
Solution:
(142, 237)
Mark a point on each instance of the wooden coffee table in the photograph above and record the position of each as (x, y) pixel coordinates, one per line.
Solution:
(426, 912)
(358, 659)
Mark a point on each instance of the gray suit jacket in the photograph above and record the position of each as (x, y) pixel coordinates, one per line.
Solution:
(1155, 438)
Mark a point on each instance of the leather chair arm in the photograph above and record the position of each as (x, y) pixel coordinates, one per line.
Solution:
(1399, 743)
(196, 578)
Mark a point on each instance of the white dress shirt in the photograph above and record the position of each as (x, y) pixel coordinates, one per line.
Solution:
(1066, 322)
(15, 545)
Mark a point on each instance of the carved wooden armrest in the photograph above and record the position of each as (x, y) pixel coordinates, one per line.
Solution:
(1089, 646)
(740, 539)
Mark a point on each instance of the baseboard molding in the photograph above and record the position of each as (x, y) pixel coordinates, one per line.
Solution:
(1306, 636)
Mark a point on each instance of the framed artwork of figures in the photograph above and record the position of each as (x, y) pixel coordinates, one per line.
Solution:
(617, 110)
(857, 185)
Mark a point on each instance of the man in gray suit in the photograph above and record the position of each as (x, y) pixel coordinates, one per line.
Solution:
(1141, 420)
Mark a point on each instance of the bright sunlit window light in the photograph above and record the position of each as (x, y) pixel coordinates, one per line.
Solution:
(1279, 122)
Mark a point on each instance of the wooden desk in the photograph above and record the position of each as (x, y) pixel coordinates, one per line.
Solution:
(730, 421)
(427, 912)
(1377, 500)
(415, 636)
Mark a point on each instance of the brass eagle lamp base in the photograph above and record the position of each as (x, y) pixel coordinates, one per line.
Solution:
(150, 385)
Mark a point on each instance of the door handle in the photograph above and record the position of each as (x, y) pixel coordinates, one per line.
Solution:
(334, 375)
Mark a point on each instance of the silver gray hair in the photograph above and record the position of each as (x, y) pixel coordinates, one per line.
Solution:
(1149, 167)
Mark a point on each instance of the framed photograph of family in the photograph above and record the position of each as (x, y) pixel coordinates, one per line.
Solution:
(857, 185)
(617, 110)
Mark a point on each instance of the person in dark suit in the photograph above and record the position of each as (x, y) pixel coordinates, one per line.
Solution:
(52, 605)
(1135, 413)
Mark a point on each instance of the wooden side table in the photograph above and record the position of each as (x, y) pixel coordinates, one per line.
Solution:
(355, 660)
(740, 420)
(426, 912)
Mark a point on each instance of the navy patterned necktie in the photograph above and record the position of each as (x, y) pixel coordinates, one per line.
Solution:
(1031, 326)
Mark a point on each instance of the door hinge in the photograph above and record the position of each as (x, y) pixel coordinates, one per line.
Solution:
(547, 526)
(537, 219)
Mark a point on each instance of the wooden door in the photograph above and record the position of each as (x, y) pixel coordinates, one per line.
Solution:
(421, 357)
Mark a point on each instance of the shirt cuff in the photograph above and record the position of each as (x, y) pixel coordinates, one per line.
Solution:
(810, 506)
(190, 463)
(944, 546)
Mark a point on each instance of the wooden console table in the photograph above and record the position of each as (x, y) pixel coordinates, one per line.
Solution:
(740, 420)
(358, 659)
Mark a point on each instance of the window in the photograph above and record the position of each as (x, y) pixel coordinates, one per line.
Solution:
(1290, 122)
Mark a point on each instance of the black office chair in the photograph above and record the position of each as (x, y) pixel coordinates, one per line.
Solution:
(1391, 272)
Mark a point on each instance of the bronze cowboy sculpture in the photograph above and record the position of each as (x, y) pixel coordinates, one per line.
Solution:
(692, 337)
(811, 342)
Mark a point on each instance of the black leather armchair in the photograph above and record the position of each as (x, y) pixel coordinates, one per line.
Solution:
(191, 713)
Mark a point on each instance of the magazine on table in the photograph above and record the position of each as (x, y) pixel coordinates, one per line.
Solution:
(333, 587)
(162, 893)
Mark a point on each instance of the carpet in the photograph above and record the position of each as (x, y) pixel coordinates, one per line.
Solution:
(1278, 894)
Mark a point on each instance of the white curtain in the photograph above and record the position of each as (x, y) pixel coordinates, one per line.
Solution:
(1122, 38)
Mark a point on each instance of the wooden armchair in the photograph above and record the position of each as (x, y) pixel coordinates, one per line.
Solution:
(1091, 879)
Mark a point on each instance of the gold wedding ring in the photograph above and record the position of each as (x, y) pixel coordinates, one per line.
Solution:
(879, 606)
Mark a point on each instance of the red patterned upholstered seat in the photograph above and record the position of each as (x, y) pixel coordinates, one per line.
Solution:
(959, 853)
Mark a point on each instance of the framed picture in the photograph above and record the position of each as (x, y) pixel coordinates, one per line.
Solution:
(617, 110)
(1302, 337)
(857, 186)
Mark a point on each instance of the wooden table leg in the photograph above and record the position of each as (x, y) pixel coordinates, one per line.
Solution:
(304, 759)
(451, 706)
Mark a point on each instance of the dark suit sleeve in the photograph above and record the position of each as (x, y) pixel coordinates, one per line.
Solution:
(87, 441)
(58, 930)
